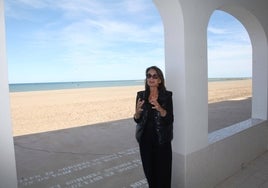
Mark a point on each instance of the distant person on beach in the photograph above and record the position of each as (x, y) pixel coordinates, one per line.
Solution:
(154, 129)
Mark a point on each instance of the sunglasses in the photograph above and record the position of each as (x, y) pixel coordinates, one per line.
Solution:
(154, 76)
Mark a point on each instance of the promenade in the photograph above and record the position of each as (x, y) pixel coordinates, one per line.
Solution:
(95, 156)
(106, 155)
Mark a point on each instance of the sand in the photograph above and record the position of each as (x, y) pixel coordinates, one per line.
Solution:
(229, 90)
(42, 111)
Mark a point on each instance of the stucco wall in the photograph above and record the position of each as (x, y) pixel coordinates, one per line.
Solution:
(185, 26)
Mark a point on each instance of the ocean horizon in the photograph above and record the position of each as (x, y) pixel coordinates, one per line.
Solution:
(24, 87)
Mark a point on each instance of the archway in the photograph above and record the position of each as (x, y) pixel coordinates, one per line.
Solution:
(127, 71)
(229, 71)
(259, 59)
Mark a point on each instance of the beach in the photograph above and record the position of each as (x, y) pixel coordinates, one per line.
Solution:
(43, 111)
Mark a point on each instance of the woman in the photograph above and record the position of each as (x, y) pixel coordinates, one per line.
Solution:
(154, 118)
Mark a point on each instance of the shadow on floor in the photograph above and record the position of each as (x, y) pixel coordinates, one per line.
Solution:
(101, 155)
(226, 113)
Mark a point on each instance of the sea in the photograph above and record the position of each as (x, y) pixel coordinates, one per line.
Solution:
(24, 87)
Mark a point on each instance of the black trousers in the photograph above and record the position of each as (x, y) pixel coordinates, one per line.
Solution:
(157, 162)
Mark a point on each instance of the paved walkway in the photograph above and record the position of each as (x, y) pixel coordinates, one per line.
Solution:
(106, 155)
(252, 175)
(96, 156)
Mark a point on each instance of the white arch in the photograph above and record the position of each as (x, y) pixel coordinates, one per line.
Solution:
(195, 159)
(259, 58)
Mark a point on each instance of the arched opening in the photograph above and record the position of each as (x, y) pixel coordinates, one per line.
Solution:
(229, 71)
(96, 42)
(74, 44)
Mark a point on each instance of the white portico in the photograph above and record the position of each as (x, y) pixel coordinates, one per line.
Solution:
(200, 160)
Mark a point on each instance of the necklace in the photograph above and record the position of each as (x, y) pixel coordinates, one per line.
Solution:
(153, 97)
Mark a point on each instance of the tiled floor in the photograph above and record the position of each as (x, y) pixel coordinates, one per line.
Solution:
(253, 175)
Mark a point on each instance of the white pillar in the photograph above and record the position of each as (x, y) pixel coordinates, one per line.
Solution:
(186, 75)
(170, 12)
(174, 65)
(8, 177)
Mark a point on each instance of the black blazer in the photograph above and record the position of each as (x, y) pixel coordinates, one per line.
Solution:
(163, 125)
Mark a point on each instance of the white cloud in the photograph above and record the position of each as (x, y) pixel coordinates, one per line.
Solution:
(214, 30)
(135, 6)
(88, 40)
(95, 39)
(229, 47)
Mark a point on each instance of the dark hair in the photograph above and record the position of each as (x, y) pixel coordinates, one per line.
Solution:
(159, 74)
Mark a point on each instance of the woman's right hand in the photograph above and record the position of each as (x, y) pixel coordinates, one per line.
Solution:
(138, 108)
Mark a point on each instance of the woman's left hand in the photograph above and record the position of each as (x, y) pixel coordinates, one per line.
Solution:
(158, 107)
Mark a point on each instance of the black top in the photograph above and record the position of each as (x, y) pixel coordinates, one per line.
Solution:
(150, 131)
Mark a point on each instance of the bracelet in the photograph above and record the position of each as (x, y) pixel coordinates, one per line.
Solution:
(164, 111)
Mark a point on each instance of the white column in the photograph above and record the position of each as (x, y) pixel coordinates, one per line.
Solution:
(260, 71)
(175, 65)
(8, 177)
(186, 73)
(186, 76)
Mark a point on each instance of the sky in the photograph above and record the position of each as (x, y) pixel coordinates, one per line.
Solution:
(96, 40)
(229, 47)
